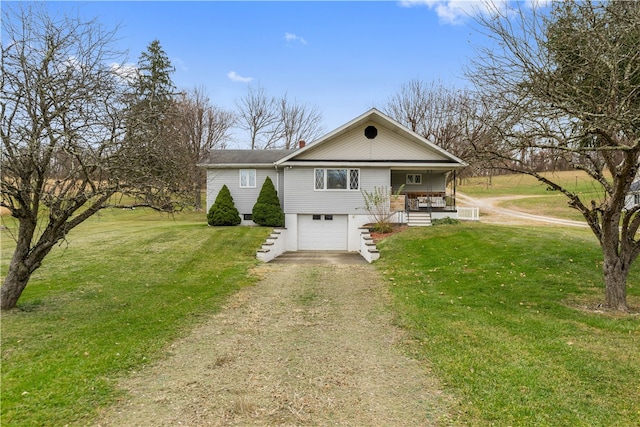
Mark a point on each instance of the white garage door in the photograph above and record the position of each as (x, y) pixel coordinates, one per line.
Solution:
(322, 232)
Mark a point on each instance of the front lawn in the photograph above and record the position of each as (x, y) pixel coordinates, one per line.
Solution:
(127, 284)
(502, 315)
(507, 318)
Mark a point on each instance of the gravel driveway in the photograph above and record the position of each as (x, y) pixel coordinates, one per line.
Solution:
(500, 215)
(308, 345)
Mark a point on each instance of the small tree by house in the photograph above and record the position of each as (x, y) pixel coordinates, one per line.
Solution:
(378, 204)
(267, 210)
(223, 211)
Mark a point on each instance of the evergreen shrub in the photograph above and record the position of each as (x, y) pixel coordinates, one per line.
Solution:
(223, 211)
(267, 210)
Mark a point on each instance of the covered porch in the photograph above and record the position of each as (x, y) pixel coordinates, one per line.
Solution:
(429, 202)
(423, 191)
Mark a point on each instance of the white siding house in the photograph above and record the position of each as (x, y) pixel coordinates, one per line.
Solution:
(632, 198)
(320, 185)
(243, 172)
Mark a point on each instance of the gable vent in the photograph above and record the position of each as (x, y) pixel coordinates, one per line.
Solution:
(370, 132)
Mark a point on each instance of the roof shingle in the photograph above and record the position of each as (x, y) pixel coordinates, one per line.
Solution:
(231, 157)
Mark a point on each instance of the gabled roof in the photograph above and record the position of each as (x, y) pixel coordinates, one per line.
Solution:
(235, 158)
(376, 117)
(414, 150)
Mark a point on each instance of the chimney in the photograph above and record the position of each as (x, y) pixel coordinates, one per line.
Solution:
(301, 143)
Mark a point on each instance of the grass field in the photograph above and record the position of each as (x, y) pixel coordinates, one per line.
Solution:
(504, 316)
(126, 285)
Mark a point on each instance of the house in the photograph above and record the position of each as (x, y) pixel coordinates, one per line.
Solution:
(632, 199)
(320, 184)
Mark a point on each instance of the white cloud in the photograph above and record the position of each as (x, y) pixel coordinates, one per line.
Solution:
(537, 3)
(456, 11)
(125, 71)
(290, 37)
(234, 77)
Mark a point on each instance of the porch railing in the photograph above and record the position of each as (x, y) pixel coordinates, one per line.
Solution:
(430, 201)
(468, 214)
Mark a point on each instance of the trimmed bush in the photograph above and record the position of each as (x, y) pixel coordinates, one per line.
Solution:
(267, 210)
(223, 211)
(445, 221)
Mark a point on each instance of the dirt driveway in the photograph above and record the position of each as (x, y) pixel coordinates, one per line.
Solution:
(498, 215)
(308, 345)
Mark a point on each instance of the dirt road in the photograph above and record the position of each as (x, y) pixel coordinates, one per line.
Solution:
(308, 345)
(500, 215)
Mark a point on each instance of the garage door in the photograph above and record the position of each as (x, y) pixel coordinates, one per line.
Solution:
(322, 232)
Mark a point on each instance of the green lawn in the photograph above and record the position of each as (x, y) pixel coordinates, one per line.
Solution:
(520, 184)
(493, 311)
(110, 301)
(496, 313)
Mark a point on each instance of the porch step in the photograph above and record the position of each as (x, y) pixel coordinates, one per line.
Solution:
(419, 219)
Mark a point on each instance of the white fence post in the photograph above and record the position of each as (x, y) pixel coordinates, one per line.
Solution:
(468, 214)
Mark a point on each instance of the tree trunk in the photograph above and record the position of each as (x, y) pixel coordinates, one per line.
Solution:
(17, 278)
(615, 281)
(617, 254)
(24, 262)
(198, 196)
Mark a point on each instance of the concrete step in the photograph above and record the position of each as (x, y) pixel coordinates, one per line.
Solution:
(419, 219)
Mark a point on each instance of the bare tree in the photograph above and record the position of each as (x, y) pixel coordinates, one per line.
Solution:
(431, 110)
(563, 84)
(445, 116)
(64, 151)
(277, 123)
(258, 116)
(298, 122)
(203, 127)
(410, 106)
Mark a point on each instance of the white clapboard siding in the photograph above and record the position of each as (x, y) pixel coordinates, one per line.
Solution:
(387, 145)
(301, 197)
(243, 198)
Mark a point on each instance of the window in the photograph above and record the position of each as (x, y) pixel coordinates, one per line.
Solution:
(414, 178)
(319, 179)
(247, 178)
(337, 179)
(247, 217)
(371, 132)
(317, 217)
(328, 217)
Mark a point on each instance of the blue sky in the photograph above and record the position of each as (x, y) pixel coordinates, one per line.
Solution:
(343, 57)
